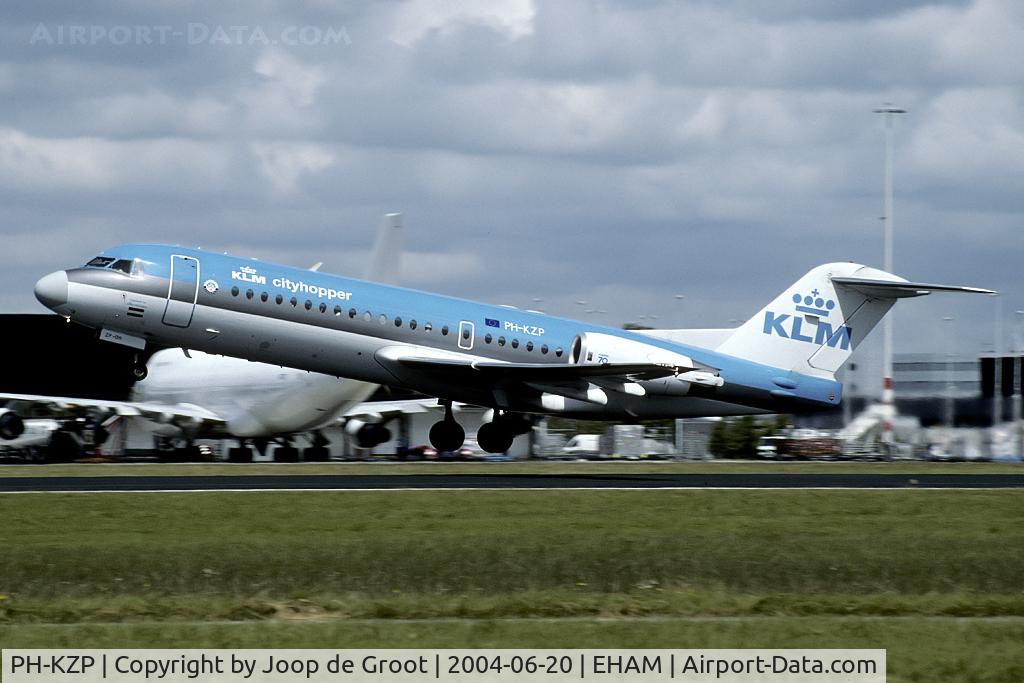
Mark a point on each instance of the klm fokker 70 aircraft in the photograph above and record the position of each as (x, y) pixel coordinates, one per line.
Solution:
(517, 362)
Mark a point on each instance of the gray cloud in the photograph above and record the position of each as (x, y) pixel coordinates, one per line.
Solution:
(617, 153)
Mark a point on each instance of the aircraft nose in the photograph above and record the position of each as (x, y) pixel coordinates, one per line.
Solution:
(52, 289)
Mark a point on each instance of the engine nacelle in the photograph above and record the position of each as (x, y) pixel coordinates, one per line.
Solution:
(367, 434)
(596, 348)
(11, 425)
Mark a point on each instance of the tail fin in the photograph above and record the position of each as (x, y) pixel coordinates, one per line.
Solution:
(386, 257)
(815, 325)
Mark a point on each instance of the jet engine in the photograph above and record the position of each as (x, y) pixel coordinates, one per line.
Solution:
(11, 426)
(595, 348)
(367, 434)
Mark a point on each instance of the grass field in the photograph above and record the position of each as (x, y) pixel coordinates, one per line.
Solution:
(525, 467)
(933, 576)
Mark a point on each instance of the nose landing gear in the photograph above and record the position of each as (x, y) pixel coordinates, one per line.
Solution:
(139, 369)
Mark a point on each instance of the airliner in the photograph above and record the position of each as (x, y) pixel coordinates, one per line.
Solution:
(516, 362)
(186, 395)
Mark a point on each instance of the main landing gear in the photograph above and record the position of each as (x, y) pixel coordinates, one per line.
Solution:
(447, 435)
(494, 437)
(284, 449)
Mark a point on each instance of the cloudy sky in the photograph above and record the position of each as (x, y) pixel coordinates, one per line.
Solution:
(620, 154)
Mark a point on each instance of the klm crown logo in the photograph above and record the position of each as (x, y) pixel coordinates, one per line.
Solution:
(248, 274)
(809, 323)
(821, 307)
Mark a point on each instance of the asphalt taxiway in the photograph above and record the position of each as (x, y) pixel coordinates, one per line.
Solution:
(356, 482)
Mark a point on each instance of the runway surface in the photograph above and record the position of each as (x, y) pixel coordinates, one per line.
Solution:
(332, 482)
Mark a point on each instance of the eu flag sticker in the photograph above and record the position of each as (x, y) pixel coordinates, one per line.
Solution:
(491, 322)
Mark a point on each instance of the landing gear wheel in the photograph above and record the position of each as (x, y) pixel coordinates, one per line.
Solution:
(240, 454)
(447, 435)
(316, 454)
(139, 372)
(286, 454)
(494, 437)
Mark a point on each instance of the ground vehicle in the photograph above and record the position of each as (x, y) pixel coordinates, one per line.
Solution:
(583, 446)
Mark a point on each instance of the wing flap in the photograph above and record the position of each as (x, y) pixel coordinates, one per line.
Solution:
(544, 372)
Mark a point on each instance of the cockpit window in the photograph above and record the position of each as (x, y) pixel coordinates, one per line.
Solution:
(100, 262)
(124, 265)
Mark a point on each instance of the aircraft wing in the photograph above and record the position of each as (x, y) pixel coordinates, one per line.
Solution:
(158, 412)
(391, 408)
(542, 372)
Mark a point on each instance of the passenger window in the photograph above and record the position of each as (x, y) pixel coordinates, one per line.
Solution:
(337, 310)
(501, 341)
(398, 321)
(367, 316)
(323, 307)
(249, 294)
(382, 319)
(412, 324)
(308, 304)
(515, 343)
(488, 338)
(279, 299)
(529, 346)
(558, 352)
(544, 348)
(293, 301)
(234, 291)
(264, 296)
(444, 330)
(465, 333)
(429, 327)
(351, 312)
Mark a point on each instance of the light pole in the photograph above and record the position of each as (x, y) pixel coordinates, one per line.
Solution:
(679, 425)
(1015, 359)
(679, 302)
(950, 417)
(887, 395)
(997, 348)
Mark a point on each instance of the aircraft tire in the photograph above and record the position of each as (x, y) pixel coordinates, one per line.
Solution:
(63, 447)
(494, 437)
(243, 454)
(139, 372)
(447, 436)
(286, 454)
(316, 454)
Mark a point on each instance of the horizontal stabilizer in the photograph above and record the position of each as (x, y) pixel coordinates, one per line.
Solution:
(899, 289)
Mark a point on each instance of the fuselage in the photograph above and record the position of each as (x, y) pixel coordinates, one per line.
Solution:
(344, 327)
(254, 399)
